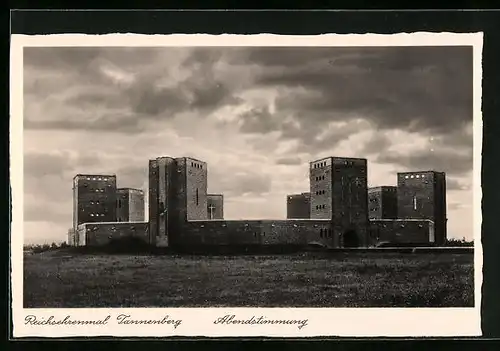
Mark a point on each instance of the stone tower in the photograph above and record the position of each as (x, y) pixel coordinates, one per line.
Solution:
(422, 195)
(94, 198)
(383, 202)
(339, 191)
(177, 193)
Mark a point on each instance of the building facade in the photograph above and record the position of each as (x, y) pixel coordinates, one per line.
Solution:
(163, 175)
(94, 198)
(339, 192)
(337, 209)
(383, 202)
(99, 234)
(215, 206)
(129, 205)
(298, 206)
(401, 231)
(422, 195)
(177, 193)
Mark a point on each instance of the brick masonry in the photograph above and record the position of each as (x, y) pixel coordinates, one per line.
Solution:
(338, 188)
(298, 206)
(422, 195)
(383, 202)
(129, 205)
(94, 198)
(338, 209)
(407, 231)
(98, 234)
(215, 206)
(258, 232)
(195, 172)
(163, 186)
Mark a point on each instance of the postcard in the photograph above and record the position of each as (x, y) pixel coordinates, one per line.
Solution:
(246, 185)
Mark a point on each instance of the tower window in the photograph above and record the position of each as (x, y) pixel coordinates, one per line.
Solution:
(197, 198)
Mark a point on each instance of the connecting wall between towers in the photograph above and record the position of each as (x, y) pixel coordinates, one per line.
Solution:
(99, 234)
(258, 232)
(401, 231)
(208, 233)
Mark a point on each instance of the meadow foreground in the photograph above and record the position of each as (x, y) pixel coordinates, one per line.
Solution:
(68, 280)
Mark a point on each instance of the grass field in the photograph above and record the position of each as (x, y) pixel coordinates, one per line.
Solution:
(64, 279)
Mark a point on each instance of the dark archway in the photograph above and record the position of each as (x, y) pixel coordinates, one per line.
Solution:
(351, 239)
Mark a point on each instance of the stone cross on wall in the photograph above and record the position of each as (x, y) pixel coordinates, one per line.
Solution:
(211, 209)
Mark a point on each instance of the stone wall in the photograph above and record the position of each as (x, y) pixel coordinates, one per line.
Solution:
(196, 189)
(71, 237)
(401, 231)
(258, 232)
(136, 205)
(162, 199)
(422, 195)
(94, 198)
(321, 189)
(99, 234)
(80, 235)
(122, 205)
(350, 200)
(215, 206)
(298, 206)
(383, 202)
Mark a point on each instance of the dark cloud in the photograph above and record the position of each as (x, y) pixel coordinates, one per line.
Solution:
(377, 143)
(81, 58)
(289, 161)
(42, 164)
(259, 120)
(422, 89)
(113, 122)
(418, 89)
(54, 71)
(452, 163)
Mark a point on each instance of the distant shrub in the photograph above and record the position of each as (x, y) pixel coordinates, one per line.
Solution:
(459, 243)
(37, 248)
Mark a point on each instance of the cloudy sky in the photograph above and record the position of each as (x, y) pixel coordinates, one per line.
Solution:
(256, 115)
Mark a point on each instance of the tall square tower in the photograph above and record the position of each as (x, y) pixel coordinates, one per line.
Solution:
(94, 198)
(422, 195)
(129, 205)
(339, 191)
(192, 188)
(383, 202)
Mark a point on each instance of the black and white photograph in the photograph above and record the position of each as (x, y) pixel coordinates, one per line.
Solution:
(233, 175)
